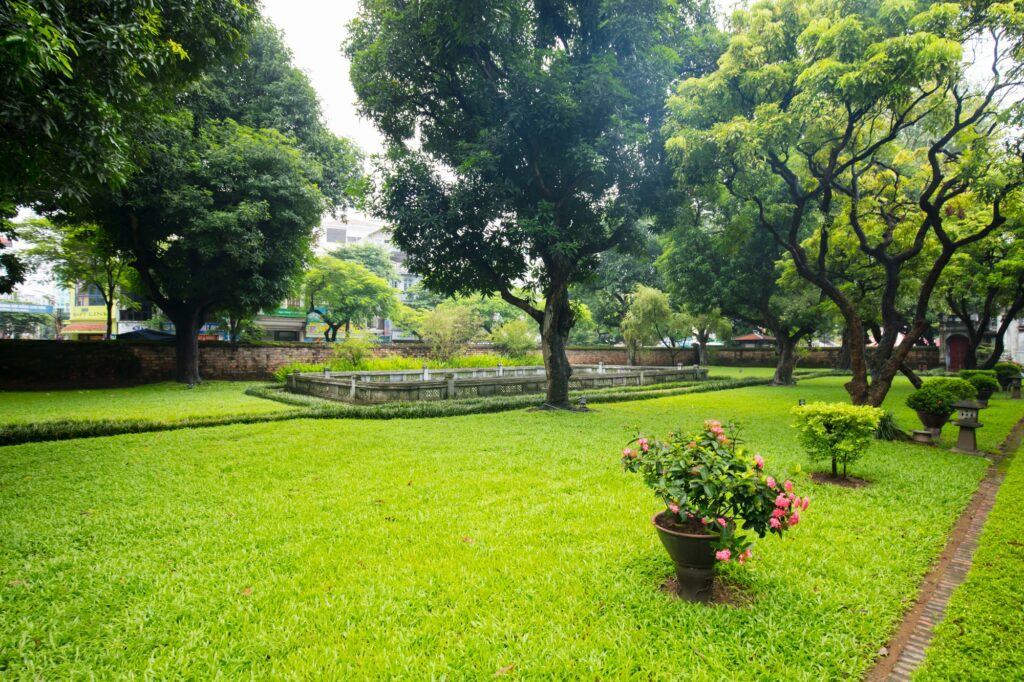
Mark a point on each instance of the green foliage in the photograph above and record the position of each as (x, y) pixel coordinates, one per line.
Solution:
(515, 338)
(354, 350)
(889, 428)
(836, 432)
(448, 329)
(373, 257)
(398, 362)
(345, 292)
(15, 325)
(981, 379)
(709, 481)
(1005, 371)
(936, 396)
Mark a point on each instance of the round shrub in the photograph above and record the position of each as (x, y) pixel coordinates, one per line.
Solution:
(836, 431)
(1005, 371)
(936, 396)
(981, 379)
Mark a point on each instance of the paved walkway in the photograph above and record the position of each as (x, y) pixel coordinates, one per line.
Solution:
(905, 653)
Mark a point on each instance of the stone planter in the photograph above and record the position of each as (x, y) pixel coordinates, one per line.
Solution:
(694, 559)
(933, 422)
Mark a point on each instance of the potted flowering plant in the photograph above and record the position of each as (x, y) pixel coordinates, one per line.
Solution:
(716, 495)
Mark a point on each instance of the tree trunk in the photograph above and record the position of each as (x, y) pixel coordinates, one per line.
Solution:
(186, 345)
(630, 354)
(702, 352)
(110, 318)
(844, 352)
(786, 347)
(555, 327)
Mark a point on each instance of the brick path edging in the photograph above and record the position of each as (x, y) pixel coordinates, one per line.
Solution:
(906, 650)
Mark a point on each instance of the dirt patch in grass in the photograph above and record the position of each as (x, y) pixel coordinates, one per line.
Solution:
(841, 481)
(724, 592)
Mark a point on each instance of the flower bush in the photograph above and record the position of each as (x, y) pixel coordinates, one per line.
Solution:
(936, 396)
(836, 431)
(711, 484)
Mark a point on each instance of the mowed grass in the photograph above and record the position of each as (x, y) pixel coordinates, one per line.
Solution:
(164, 401)
(461, 547)
(982, 635)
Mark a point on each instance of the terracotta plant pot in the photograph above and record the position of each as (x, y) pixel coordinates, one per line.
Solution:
(933, 422)
(694, 558)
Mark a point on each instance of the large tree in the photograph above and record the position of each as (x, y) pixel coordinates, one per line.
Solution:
(860, 124)
(222, 211)
(523, 138)
(77, 79)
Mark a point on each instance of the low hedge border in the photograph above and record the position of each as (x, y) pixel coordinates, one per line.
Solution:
(308, 407)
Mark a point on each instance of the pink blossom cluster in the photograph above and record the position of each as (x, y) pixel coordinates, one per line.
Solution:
(787, 508)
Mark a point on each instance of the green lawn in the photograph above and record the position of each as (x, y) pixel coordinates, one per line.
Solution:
(152, 401)
(454, 547)
(982, 636)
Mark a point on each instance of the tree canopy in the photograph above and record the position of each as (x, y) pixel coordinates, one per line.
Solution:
(344, 292)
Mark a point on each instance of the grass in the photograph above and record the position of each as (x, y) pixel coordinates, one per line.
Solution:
(982, 635)
(458, 547)
(151, 401)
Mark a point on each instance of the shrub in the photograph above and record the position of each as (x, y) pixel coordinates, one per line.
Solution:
(981, 379)
(888, 429)
(354, 350)
(936, 396)
(448, 329)
(710, 482)
(836, 431)
(1005, 371)
(515, 338)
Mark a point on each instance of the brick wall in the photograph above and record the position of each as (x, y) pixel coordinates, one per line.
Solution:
(66, 364)
(63, 364)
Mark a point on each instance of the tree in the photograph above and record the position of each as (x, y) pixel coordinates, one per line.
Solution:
(702, 326)
(721, 264)
(448, 329)
(374, 258)
(16, 325)
(515, 338)
(863, 127)
(81, 254)
(343, 292)
(241, 325)
(221, 215)
(649, 319)
(523, 138)
(78, 80)
(983, 283)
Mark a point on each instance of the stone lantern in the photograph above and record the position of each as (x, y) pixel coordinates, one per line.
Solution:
(1015, 388)
(967, 420)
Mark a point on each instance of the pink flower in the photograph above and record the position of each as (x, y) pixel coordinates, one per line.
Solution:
(705, 520)
(643, 444)
(778, 513)
(717, 430)
(723, 555)
(788, 485)
(723, 439)
(774, 523)
(759, 461)
(794, 519)
(782, 502)
(628, 453)
(691, 445)
(674, 508)
(722, 522)
(770, 481)
(806, 502)
(745, 555)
